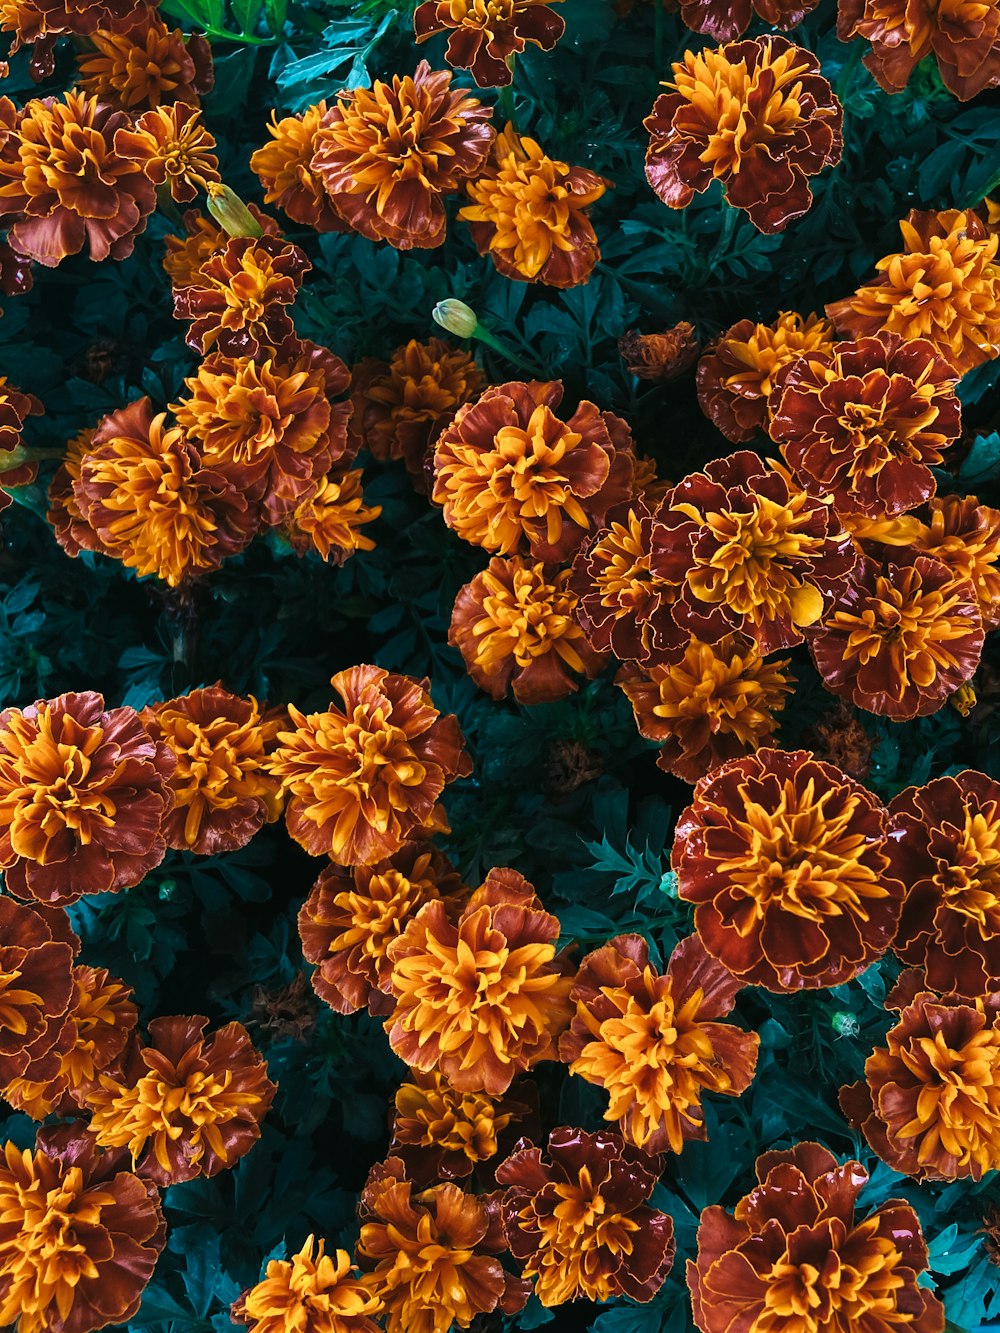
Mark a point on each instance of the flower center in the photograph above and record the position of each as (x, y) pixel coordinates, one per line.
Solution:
(958, 1106)
(12, 1001)
(581, 1239)
(377, 917)
(488, 14)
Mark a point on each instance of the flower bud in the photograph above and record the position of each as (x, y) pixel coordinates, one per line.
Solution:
(230, 212)
(456, 317)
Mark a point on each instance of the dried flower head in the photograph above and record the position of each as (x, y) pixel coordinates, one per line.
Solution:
(37, 949)
(313, 1292)
(147, 66)
(963, 38)
(284, 168)
(329, 521)
(660, 356)
(173, 149)
(486, 35)
(965, 535)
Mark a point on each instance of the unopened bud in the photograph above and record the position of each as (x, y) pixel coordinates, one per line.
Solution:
(456, 317)
(845, 1024)
(230, 212)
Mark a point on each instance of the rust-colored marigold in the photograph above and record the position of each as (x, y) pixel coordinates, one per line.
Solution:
(352, 916)
(723, 20)
(237, 300)
(929, 1103)
(647, 484)
(650, 1041)
(749, 552)
(483, 998)
(515, 627)
(72, 531)
(660, 356)
(65, 188)
(40, 23)
(14, 469)
(361, 780)
(185, 1105)
(578, 1220)
(37, 949)
(758, 116)
(388, 155)
(173, 149)
(203, 238)
(965, 536)
(795, 1256)
(529, 214)
(944, 286)
(963, 38)
(313, 1292)
(148, 66)
(329, 521)
(786, 862)
(718, 701)
(284, 168)
(485, 35)
(901, 637)
(865, 422)
(79, 1235)
(83, 794)
(737, 371)
(514, 477)
(430, 1254)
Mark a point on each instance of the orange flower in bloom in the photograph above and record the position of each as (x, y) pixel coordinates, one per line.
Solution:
(79, 1235)
(749, 552)
(41, 22)
(284, 168)
(184, 1106)
(731, 19)
(485, 35)
(222, 794)
(647, 485)
(650, 1042)
(430, 1254)
(943, 286)
(865, 422)
(794, 1256)
(83, 794)
(965, 536)
(388, 155)
(360, 781)
(964, 39)
(528, 213)
(514, 626)
(901, 637)
(185, 255)
(148, 66)
(579, 1223)
(737, 372)
(173, 148)
(483, 999)
(37, 949)
(352, 916)
(718, 702)
(330, 520)
(314, 1292)
(72, 531)
(758, 116)
(513, 477)
(14, 470)
(786, 862)
(929, 1104)
(660, 356)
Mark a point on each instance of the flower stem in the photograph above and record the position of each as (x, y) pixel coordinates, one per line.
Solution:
(505, 105)
(490, 340)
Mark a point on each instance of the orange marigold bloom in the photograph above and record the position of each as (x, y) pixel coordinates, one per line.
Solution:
(83, 794)
(718, 702)
(965, 536)
(578, 1220)
(482, 999)
(284, 168)
(929, 1103)
(515, 627)
(901, 637)
(329, 521)
(723, 20)
(514, 477)
(699, 129)
(40, 22)
(204, 238)
(659, 356)
(786, 862)
(185, 1105)
(650, 1042)
(528, 213)
(79, 1238)
(361, 780)
(388, 155)
(964, 39)
(943, 286)
(352, 916)
(314, 1292)
(148, 66)
(64, 186)
(173, 148)
(485, 35)
(794, 1256)
(72, 531)
(737, 372)
(37, 949)
(14, 470)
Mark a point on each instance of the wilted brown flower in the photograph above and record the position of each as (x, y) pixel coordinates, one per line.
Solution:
(727, 19)
(388, 155)
(284, 168)
(786, 862)
(148, 66)
(964, 39)
(965, 535)
(286, 1011)
(83, 794)
(486, 35)
(838, 738)
(173, 149)
(313, 1292)
(15, 468)
(699, 129)
(329, 521)
(659, 356)
(37, 949)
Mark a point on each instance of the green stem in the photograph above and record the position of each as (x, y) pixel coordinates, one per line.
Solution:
(846, 77)
(485, 336)
(505, 105)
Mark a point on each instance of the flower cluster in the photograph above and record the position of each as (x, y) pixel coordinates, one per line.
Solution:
(486, 35)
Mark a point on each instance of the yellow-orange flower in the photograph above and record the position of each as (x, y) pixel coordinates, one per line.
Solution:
(313, 1292)
(184, 255)
(284, 167)
(485, 35)
(443, 1134)
(36, 985)
(965, 535)
(330, 520)
(147, 66)
(173, 148)
(963, 37)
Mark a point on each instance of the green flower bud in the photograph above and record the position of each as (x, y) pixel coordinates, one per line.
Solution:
(231, 213)
(456, 317)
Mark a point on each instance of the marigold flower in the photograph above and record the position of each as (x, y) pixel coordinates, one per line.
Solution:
(944, 286)
(965, 535)
(313, 1292)
(185, 1105)
(485, 35)
(329, 521)
(659, 356)
(737, 371)
(513, 477)
(284, 168)
(865, 422)
(40, 22)
(731, 19)
(14, 469)
(901, 636)
(37, 949)
(482, 999)
(718, 702)
(758, 116)
(515, 628)
(964, 39)
(72, 531)
(786, 862)
(360, 781)
(173, 148)
(148, 66)
(204, 238)
(388, 155)
(352, 916)
(83, 793)
(647, 484)
(63, 185)
(528, 213)
(79, 1238)
(578, 1221)
(795, 1255)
